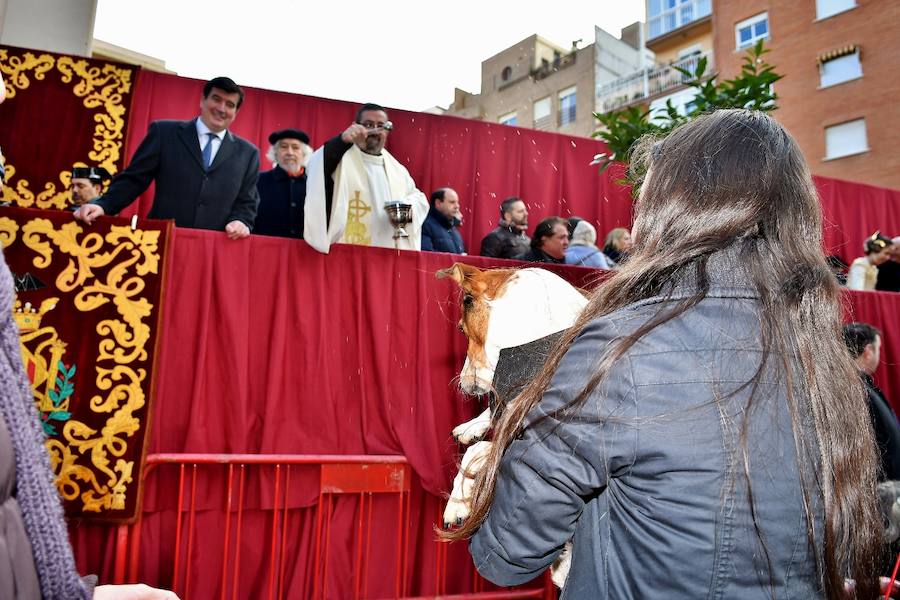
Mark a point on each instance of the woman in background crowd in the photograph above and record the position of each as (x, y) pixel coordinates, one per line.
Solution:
(583, 250)
(889, 270)
(618, 245)
(863, 274)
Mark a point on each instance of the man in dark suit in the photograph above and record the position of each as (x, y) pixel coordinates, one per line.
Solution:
(205, 175)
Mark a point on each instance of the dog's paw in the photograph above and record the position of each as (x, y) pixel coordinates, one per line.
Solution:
(559, 570)
(474, 430)
(470, 432)
(458, 505)
(455, 513)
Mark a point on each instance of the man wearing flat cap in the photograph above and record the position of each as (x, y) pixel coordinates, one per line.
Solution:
(86, 185)
(282, 191)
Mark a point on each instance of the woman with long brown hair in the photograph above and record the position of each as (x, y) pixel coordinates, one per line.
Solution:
(701, 432)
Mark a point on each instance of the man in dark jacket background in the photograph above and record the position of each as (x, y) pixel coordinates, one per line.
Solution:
(549, 244)
(509, 239)
(440, 230)
(282, 190)
(864, 343)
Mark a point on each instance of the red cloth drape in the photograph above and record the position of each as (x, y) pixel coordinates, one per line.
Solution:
(881, 309)
(269, 346)
(854, 211)
(484, 162)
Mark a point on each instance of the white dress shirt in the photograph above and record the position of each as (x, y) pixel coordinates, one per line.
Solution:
(203, 138)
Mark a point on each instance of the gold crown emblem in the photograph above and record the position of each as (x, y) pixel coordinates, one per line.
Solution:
(29, 318)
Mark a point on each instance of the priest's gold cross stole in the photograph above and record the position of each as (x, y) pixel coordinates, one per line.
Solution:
(356, 231)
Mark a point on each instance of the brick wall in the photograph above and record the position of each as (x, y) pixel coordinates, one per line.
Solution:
(796, 39)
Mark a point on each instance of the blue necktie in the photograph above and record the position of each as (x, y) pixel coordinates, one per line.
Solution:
(207, 151)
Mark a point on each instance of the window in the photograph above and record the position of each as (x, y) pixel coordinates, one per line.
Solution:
(664, 16)
(567, 106)
(692, 50)
(542, 108)
(846, 139)
(840, 69)
(826, 8)
(506, 73)
(750, 31)
(509, 119)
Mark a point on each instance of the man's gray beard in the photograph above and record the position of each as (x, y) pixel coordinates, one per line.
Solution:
(288, 170)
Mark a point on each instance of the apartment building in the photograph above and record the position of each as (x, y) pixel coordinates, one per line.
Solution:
(838, 59)
(541, 85)
(677, 34)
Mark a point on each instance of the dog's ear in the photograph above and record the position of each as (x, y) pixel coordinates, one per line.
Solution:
(461, 273)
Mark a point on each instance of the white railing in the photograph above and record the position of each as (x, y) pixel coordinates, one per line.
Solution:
(681, 15)
(647, 83)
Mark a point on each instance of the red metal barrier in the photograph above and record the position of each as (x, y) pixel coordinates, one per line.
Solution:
(339, 475)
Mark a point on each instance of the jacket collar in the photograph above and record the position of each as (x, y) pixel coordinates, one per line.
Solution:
(726, 273)
(441, 218)
(187, 133)
(281, 174)
(511, 229)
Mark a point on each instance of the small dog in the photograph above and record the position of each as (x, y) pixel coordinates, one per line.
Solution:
(512, 318)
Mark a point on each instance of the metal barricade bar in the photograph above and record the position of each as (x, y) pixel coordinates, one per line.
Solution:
(361, 476)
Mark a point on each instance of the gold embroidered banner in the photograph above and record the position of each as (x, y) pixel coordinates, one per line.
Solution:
(88, 305)
(60, 111)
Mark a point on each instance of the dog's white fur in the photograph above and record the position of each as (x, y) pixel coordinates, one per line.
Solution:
(534, 304)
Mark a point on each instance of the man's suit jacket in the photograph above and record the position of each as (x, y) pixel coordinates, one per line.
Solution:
(185, 191)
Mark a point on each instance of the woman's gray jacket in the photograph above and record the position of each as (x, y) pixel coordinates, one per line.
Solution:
(647, 476)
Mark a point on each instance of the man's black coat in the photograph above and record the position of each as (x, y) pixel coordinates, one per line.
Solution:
(185, 191)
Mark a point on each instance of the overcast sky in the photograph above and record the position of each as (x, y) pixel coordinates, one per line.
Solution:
(407, 55)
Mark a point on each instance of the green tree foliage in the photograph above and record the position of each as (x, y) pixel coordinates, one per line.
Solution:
(752, 89)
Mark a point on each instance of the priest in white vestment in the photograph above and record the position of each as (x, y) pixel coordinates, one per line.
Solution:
(350, 179)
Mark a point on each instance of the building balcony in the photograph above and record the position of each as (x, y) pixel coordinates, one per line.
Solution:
(675, 18)
(646, 84)
(548, 68)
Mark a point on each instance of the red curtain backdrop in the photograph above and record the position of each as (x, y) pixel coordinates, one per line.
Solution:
(881, 309)
(268, 346)
(854, 211)
(487, 162)
(484, 162)
(271, 347)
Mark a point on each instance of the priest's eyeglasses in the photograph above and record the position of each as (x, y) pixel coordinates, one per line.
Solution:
(374, 127)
